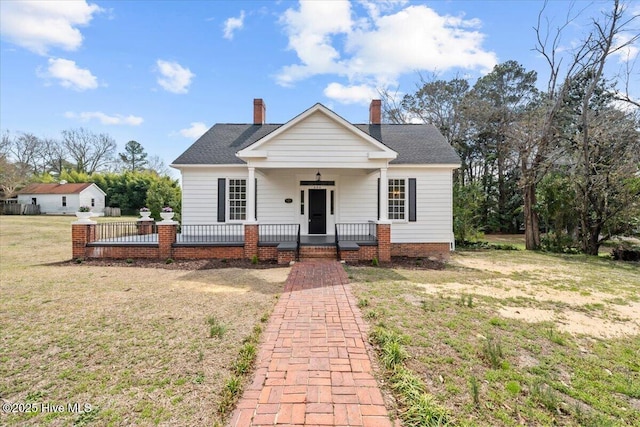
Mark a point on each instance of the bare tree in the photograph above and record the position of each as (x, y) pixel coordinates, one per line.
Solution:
(156, 164)
(592, 53)
(91, 152)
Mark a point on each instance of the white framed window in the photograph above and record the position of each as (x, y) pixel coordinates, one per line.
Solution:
(237, 196)
(397, 199)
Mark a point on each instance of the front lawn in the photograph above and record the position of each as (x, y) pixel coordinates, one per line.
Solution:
(141, 346)
(506, 338)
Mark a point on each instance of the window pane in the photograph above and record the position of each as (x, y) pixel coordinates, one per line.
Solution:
(396, 198)
(237, 199)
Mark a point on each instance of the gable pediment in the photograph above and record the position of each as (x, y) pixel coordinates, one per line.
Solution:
(317, 138)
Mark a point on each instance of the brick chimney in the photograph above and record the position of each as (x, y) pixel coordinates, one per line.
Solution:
(375, 112)
(259, 111)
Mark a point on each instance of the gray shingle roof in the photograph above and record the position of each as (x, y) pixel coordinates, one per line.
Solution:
(415, 144)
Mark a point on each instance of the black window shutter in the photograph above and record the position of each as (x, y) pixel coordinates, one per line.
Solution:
(412, 199)
(256, 199)
(222, 197)
(378, 200)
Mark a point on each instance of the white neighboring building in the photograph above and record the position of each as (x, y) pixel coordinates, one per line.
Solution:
(63, 198)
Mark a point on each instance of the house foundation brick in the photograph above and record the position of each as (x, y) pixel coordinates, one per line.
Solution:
(384, 242)
(81, 235)
(208, 252)
(250, 241)
(166, 239)
(285, 257)
(123, 252)
(267, 253)
(442, 251)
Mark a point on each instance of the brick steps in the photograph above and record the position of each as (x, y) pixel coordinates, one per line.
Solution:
(317, 252)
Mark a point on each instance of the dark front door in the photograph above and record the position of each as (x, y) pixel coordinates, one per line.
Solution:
(317, 211)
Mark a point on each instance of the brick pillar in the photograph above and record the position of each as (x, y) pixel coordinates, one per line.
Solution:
(145, 226)
(166, 238)
(384, 242)
(81, 234)
(250, 240)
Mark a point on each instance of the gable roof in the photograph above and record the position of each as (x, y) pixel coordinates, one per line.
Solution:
(56, 188)
(335, 118)
(417, 144)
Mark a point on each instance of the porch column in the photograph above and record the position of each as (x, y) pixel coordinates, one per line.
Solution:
(251, 195)
(384, 193)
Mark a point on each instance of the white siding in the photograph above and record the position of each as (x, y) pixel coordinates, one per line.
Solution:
(92, 193)
(200, 193)
(317, 142)
(433, 206)
(357, 197)
(273, 189)
(52, 203)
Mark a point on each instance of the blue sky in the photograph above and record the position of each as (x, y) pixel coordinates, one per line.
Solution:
(162, 72)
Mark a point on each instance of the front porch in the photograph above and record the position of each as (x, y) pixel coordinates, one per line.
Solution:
(263, 242)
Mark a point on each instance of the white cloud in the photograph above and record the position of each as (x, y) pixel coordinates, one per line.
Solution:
(69, 75)
(355, 94)
(233, 24)
(105, 119)
(173, 77)
(196, 130)
(41, 25)
(626, 53)
(310, 29)
(374, 50)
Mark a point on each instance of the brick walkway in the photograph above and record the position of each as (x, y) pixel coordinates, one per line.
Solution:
(313, 367)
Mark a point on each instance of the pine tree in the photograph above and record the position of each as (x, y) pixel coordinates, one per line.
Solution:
(134, 156)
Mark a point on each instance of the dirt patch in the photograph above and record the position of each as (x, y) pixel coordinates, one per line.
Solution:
(405, 263)
(496, 266)
(527, 314)
(626, 318)
(573, 322)
(202, 264)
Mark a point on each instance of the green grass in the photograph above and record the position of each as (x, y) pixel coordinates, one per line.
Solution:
(132, 342)
(484, 368)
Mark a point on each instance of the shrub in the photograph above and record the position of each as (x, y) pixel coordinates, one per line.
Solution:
(626, 253)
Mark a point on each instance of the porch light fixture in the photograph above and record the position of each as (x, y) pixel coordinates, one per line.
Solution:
(318, 176)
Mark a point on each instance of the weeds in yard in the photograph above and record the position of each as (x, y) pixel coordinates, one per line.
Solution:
(393, 354)
(492, 352)
(129, 261)
(362, 303)
(474, 387)
(216, 329)
(466, 301)
(254, 259)
(513, 387)
(546, 396)
(554, 336)
(419, 409)
(374, 262)
(241, 368)
(169, 261)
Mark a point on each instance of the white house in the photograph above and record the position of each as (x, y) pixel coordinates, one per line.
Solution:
(63, 198)
(318, 170)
